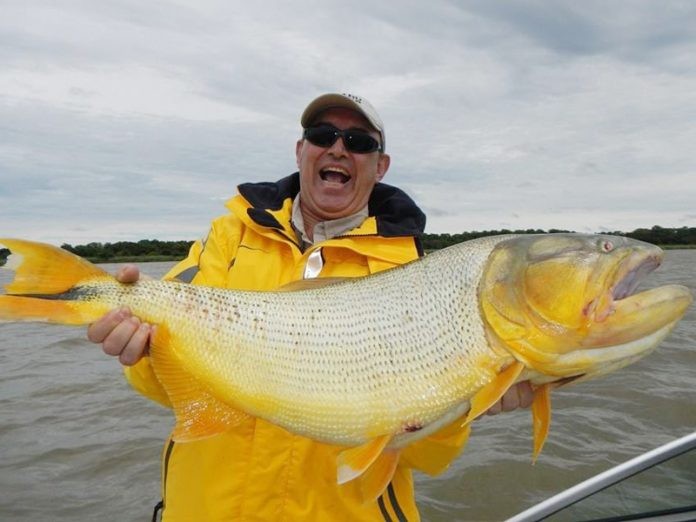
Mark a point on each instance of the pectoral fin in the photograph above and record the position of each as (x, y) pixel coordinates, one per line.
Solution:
(541, 417)
(198, 413)
(493, 391)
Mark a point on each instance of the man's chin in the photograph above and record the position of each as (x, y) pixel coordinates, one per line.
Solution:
(334, 208)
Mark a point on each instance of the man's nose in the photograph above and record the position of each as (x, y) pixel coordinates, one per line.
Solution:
(338, 148)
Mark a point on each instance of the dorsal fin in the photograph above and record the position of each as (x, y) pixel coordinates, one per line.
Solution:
(312, 284)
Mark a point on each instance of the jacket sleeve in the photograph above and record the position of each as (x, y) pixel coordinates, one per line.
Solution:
(206, 264)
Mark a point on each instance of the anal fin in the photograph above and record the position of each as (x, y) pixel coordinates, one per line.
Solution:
(353, 462)
(378, 476)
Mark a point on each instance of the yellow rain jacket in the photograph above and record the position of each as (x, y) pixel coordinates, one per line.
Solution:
(258, 471)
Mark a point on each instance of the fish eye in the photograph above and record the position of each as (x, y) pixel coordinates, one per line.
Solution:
(605, 245)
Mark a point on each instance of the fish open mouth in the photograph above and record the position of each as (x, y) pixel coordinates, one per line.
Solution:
(628, 278)
(621, 314)
(629, 282)
(333, 175)
(633, 325)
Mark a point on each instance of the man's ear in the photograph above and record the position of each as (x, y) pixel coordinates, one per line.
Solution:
(382, 166)
(298, 151)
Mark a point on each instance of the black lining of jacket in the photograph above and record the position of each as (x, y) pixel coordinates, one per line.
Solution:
(396, 214)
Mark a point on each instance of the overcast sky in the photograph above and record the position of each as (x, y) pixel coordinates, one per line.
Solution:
(134, 119)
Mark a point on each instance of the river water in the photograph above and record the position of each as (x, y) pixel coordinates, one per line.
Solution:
(77, 444)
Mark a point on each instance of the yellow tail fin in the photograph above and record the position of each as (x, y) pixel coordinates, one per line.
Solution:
(42, 274)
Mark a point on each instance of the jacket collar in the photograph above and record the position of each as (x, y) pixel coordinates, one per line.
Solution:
(392, 211)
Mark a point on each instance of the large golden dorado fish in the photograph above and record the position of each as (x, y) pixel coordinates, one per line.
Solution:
(376, 363)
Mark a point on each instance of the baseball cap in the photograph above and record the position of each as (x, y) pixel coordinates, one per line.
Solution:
(346, 101)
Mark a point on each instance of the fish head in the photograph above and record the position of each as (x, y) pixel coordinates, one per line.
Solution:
(567, 306)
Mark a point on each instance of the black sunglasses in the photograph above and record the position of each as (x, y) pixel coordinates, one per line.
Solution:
(356, 141)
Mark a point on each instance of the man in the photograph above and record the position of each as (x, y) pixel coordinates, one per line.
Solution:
(334, 218)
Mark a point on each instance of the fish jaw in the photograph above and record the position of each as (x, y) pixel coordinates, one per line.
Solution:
(639, 315)
(584, 365)
(564, 304)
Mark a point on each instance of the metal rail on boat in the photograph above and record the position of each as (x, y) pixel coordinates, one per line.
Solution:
(607, 478)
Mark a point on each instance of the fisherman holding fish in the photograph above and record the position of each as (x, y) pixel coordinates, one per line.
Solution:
(333, 218)
(303, 391)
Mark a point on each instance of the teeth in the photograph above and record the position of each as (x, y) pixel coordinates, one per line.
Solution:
(336, 169)
(335, 174)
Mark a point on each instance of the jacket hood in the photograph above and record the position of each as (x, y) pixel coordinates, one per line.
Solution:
(395, 213)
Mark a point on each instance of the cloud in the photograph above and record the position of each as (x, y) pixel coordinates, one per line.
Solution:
(123, 119)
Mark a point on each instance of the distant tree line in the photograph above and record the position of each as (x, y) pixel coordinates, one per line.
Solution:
(684, 236)
(664, 236)
(145, 248)
(153, 249)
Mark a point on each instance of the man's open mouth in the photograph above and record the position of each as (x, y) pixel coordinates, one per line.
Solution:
(334, 175)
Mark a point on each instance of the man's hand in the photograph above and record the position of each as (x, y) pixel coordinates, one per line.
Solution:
(120, 333)
(518, 396)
